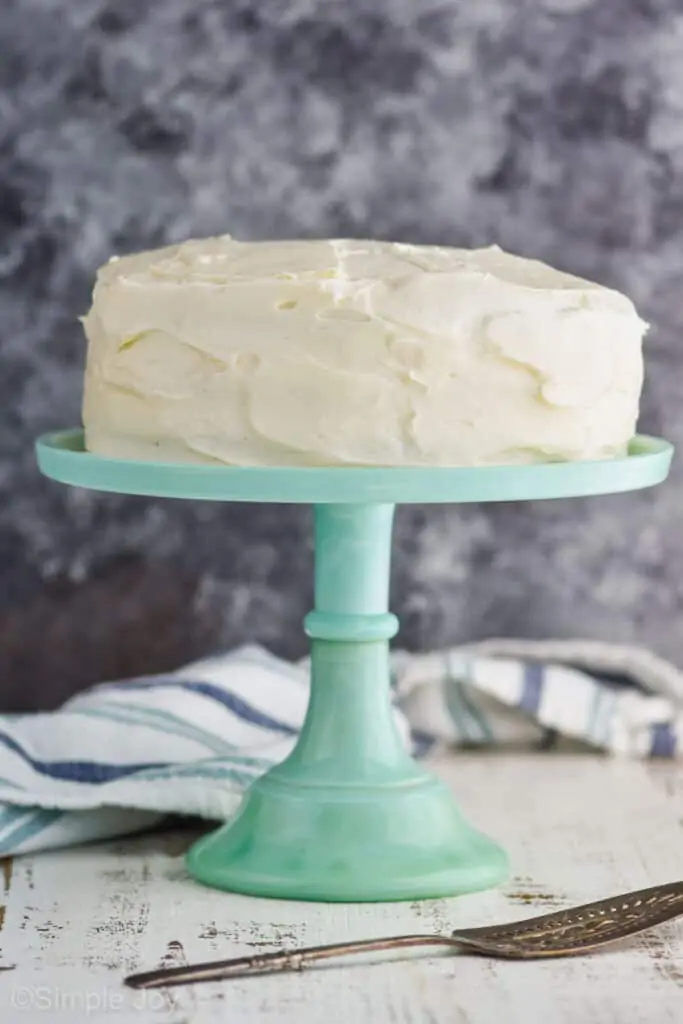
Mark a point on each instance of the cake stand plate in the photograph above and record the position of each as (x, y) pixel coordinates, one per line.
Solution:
(349, 816)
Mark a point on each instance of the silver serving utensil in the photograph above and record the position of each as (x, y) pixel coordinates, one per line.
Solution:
(562, 933)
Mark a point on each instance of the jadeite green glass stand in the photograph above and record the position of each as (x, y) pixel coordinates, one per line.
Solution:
(349, 816)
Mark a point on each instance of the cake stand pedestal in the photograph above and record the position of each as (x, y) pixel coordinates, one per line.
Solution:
(349, 816)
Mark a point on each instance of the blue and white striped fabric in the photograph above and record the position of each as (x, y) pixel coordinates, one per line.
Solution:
(121, 756)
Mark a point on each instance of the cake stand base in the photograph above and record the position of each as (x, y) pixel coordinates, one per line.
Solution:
(349, 816)
(398, 841)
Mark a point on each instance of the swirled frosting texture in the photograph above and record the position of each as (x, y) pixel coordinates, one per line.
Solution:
(344, 352)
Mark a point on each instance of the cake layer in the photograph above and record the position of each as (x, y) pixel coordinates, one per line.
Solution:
(344, 352)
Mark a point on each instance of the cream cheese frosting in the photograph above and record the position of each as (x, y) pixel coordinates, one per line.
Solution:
(345, 352)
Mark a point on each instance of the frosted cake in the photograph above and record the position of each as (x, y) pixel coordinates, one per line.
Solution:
(356, 353)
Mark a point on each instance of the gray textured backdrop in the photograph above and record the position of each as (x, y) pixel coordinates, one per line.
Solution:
(554, 127)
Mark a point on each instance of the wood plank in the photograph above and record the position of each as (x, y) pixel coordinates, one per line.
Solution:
(577, 827)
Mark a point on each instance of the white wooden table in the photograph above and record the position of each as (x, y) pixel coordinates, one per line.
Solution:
(578, 827)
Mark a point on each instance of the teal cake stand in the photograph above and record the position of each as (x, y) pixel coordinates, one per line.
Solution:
(349, 816)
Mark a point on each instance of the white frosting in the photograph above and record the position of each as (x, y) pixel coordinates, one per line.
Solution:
(356, 353)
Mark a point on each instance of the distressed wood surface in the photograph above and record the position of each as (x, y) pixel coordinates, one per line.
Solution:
(73, 922)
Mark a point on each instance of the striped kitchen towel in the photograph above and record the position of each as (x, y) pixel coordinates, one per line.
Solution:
(121, 756)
